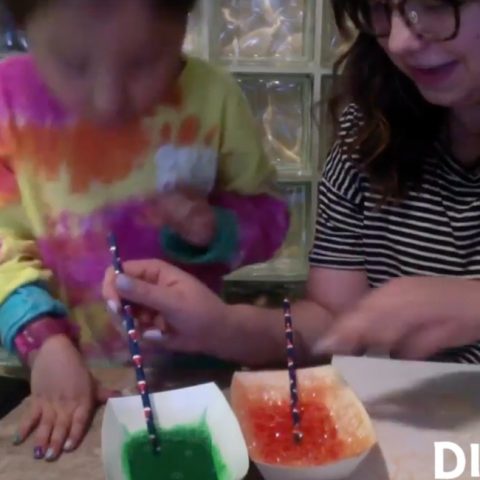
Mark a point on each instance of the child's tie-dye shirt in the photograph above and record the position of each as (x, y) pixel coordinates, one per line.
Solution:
(66, 183)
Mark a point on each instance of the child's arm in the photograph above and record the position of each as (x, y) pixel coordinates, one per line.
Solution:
(34, 325)
(258, 226)
(247, 184)
(24, 296)
(251, 218)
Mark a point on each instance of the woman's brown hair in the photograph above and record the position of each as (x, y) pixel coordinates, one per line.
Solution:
(399, 126)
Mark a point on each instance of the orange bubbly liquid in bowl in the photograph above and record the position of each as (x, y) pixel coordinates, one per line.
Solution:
(334, 424)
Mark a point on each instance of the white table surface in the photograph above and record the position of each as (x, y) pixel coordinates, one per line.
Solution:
(413, 405)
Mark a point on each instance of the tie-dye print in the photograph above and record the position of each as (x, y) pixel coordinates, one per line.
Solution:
(65, 183)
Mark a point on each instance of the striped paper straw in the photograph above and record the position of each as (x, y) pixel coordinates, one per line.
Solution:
(292, 372)
(135, 352)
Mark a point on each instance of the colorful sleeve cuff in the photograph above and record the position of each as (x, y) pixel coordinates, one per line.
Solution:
(24, 305)
(223, 248)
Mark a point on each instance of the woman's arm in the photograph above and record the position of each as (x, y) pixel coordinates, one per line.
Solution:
(256, 335)
(199, 322)
(410, 317)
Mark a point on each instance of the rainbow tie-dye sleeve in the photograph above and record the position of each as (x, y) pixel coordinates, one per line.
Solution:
(19, 260)
(245, 185)
(243, 165)
(248, 183)
(22, 277)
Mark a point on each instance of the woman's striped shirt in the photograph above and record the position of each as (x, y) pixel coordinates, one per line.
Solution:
(433, 231)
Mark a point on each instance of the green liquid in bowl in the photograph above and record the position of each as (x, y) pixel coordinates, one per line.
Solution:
(187, 453)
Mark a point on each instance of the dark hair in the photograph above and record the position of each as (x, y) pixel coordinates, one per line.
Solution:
(399, 125)
(22, 10)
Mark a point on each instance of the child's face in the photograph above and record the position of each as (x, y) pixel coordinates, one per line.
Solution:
(107, 61)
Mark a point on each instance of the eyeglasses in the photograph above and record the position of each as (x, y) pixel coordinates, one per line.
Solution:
(436, 20)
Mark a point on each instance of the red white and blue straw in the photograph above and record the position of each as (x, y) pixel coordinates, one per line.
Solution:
(135, 352)
(292, 372)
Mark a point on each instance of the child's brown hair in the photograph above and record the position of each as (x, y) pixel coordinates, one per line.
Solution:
(22, 10)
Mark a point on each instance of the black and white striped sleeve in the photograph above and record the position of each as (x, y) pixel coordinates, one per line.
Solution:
(338, 241)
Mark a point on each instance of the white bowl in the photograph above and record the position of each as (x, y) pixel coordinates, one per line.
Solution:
(334, 471)
(322, 384)
(124, 417)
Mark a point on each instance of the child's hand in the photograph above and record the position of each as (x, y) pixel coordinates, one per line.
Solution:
(189, 215)
(63, 400)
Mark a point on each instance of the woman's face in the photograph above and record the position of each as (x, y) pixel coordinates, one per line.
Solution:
(447, 73)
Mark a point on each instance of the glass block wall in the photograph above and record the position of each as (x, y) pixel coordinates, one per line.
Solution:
(281, 52)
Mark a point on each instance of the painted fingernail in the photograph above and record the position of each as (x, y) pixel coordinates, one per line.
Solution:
(50, 455)
(113, 306)
(68, 447)
(17, 439)
(38, 453)
(153, 335)
(326, 345)
(123, 282)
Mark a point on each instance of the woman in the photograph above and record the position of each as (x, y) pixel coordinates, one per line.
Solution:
(397, 248)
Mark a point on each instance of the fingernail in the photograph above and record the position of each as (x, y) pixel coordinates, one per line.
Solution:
(17, 439)
(324, 346)
(152, 335)
(123, 282)
(50, 455)
(113, 306)
(38, 453)
(68, 447)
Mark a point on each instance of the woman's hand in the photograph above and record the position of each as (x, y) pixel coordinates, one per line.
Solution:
(63, 399)
(191, 315)
(409, 317)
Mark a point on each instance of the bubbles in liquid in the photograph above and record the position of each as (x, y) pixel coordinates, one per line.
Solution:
(271, 426)
(177, 476)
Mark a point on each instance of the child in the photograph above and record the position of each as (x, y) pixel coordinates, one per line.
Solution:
(107, 127)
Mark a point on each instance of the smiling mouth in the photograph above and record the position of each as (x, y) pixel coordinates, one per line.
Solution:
(432, 75)
(431, 67)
